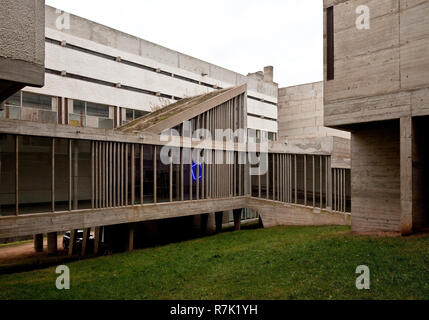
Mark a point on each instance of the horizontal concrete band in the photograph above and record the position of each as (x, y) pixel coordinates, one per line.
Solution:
(272, 212)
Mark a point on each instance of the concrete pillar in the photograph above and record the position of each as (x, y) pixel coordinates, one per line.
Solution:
(52, 243)
(204, 220)
(237, 219)
(97, 239)
(130, 244)
(219, 218)
(406, 138)
(38, 242)
(268, 74)
(211, 223)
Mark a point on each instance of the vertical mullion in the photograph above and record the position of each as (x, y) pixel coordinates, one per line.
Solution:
(133, 175)
(53, 174)
(70, 174)
(155, 200)
(321, 181)
(141, 175)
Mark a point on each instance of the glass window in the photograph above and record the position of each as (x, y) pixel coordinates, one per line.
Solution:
(129, 114)
(14, 100)
(81, 174)
(97, 110)
(7, 175)
(162, 178)
(139, 114)
(32, 100)
(300, 177)
(79, 107)
(34, 188)
(148, 174)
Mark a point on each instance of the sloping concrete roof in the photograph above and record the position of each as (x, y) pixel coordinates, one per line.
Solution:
(180, 111)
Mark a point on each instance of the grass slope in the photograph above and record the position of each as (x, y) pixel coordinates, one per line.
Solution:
(277, 263)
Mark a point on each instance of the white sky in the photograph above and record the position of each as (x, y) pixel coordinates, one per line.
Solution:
(240, 35)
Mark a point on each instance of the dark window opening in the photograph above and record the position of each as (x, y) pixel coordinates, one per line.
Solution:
(330, 43)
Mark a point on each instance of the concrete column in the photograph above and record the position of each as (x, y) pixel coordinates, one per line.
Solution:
(237, 219)
(52, 243)
(219, 218)
(204, 220)
(71, 242)
(38, 242)
(406, 137)
(211, 223)
(97, 239)
(130, 245)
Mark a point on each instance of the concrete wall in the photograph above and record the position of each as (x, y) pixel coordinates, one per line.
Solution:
(376, 178)
(22, 44)
(300, 112)
(380, 73)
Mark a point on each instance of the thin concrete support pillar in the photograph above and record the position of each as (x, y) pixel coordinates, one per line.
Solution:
(211, 223)
(86, 234)
(406, 221)
(204, 221)
(97, 239)
(38, 242)
(219, 218)
(71, 242)
(130, 244)
(237, 219)
(52, 243)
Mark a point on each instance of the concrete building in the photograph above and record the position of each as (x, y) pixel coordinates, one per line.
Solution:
(22, 53)
(377, 87)
(100, 77)
(98, 130)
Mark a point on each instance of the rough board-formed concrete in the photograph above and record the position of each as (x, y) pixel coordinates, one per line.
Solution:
(22, 45)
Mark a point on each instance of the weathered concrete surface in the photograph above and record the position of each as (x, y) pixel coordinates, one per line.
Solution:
(275, 213)
(22, 45)
(380, 73)
(300, 112)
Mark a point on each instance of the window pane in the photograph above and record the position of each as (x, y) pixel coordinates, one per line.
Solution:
(148, 174)
(32, 100)
(61, 175)
(162, 178)
(34, 174)
(81, 174)
(97, 110)
(7, 175)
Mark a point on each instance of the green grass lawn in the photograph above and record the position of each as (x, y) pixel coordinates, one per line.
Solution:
(277, 263)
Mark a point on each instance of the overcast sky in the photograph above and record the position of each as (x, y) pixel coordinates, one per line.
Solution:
(241, 35)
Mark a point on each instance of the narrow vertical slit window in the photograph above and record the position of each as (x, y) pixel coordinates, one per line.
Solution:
(330, 43)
